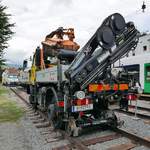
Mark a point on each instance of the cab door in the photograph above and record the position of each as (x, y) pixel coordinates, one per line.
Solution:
(147, 78)
(32, 73)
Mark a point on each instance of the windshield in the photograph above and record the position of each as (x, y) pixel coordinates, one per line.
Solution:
(12, 77)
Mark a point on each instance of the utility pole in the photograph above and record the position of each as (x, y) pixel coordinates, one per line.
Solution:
(143, 7)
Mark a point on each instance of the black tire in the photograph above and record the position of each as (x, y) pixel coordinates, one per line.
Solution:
(54, 116)
(50, 111)
(28, 90)
(31, 99)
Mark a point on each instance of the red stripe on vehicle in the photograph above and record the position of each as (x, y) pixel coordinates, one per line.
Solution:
(60, 103)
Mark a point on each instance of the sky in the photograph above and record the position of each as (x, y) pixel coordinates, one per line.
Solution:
(35, 19)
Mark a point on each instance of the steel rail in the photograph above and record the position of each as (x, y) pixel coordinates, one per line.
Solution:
(142, 116)
(140, 108)
(138, 139)
(23, 99)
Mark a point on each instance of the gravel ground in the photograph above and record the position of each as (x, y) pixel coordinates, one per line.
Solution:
(12, 137)
(136, 126)
(23, 135)
(37, 141)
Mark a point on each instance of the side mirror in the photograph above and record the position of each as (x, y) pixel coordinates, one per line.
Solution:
(25, 64)
(38, 56)
(30, 58)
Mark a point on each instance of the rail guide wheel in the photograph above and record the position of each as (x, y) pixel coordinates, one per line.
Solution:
(112, 118)
(72, 129)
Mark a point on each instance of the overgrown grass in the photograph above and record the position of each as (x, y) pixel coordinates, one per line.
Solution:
(9, 111)
(3, 90)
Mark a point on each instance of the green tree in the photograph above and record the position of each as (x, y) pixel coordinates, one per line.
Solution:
(5, 31)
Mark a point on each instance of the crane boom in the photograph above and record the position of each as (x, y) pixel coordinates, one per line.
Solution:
(112, 40)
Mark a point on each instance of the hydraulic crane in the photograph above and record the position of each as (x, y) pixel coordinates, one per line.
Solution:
(75, 88)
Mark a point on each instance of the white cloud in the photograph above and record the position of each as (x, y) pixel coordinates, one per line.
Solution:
(36, 18)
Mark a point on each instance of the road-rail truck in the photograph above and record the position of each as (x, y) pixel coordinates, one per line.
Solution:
(76, 87)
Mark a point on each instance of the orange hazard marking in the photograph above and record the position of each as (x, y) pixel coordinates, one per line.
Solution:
(115, 87)
(107, 87)
(100, 87)
(123, 87)
(93, 87)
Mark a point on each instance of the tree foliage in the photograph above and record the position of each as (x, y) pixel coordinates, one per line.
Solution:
(5, 31)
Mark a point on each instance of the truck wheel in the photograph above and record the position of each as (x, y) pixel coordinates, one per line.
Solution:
(54, 118)
(50, 112)
(31, 99)
(28, 90)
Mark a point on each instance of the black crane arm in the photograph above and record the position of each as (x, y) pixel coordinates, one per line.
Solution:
(112, 40)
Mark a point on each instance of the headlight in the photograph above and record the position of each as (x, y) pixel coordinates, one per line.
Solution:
(80, 94)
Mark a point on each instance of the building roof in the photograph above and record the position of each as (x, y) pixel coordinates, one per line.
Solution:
(12, 71)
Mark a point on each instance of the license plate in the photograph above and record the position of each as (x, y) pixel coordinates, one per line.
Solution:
(82, 108)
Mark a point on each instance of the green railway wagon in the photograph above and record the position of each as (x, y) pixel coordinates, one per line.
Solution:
(147, 78)
(140, 64)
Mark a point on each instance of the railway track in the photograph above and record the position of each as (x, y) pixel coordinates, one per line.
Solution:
(144, 114)
(131, 113)
(40, 121)
(141, 108)
(145, 97)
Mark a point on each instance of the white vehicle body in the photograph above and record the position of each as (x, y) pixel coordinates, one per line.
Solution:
(4, 78)
(24, 74)
(50, 74)
(10, 79)
(24, 77)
